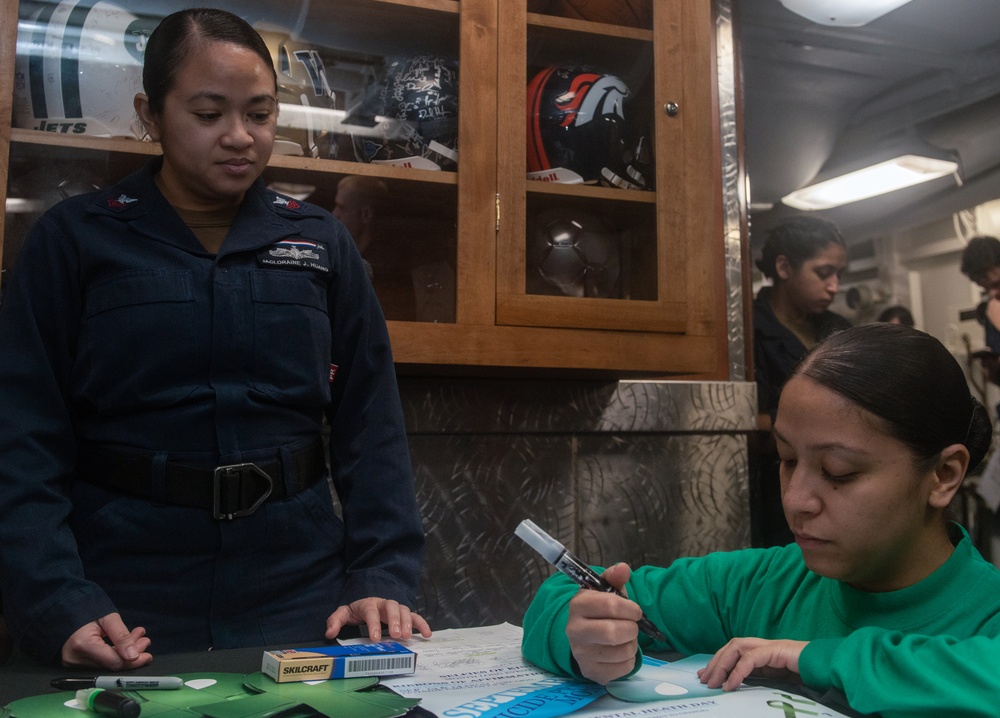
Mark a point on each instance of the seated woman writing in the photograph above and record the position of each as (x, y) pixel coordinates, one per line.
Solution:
(876, 430)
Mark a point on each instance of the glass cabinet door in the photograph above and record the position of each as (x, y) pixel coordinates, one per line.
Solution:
(593, 211)
(368, 122)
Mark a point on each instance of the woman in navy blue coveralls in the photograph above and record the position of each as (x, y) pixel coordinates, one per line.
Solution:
(171, 346)
(803, 256)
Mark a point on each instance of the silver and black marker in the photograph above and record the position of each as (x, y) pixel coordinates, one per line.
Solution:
(581, 574)
(121, 683)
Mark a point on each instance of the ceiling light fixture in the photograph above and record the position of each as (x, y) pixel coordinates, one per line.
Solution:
(842, 13)
(887, 176)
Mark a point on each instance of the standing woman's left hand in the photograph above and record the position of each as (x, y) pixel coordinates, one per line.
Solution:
(736, 660)
(373, 612)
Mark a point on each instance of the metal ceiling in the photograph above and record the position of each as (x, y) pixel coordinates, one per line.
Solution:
(816, 96)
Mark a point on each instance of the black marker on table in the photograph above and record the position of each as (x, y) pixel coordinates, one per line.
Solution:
(582, 574)
(122, 683)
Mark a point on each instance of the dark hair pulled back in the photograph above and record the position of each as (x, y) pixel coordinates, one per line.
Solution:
(173, 39)
(798, 238)
(980, 255)
(910, 381)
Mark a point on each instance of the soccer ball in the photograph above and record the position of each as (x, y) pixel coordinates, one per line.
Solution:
(572, 253)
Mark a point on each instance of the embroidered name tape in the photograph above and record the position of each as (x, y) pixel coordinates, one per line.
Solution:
(296, 253)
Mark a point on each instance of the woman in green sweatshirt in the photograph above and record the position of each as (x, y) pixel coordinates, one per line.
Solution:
(875, 430)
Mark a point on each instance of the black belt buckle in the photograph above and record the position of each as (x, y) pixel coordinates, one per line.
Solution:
(227, 493)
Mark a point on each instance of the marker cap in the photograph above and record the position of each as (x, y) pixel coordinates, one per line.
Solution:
(108, 703)
(548, 547)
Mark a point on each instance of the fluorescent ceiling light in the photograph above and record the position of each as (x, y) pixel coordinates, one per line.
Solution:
(888, 176)
(842, 13)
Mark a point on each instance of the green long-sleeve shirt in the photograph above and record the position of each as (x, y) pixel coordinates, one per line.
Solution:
(701, 603)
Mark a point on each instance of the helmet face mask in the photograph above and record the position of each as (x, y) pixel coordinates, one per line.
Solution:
(78, 68)
(577, 129)
(414, 108)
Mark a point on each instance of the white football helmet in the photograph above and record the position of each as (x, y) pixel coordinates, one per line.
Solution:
(78, 67)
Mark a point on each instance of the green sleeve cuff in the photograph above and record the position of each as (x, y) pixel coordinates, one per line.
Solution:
(562, 653)
(816, 662)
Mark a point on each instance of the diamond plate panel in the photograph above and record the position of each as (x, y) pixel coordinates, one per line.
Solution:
(642, 472)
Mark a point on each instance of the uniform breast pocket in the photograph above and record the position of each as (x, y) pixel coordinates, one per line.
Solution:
(291, 346)
(139, 340)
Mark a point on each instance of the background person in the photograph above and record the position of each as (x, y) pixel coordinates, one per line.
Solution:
(359, 204)
(981, 263)
(876, 430)
(803, 257)
(897, 314)
(165, 333)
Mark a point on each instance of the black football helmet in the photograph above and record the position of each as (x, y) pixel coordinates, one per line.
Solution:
(415, 111)
(577, 131)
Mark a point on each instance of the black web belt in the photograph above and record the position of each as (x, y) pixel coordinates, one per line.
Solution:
(229, 491)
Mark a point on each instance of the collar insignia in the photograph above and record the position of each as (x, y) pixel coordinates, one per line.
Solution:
(121, 202)
(287, 203)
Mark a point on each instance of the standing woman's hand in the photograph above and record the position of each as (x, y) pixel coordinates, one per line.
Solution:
(372, 613)
(107, 643)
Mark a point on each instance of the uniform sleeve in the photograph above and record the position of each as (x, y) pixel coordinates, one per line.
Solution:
(694, 602)
(369, 455)
(45, 595)
(766, 400)
(907, 676)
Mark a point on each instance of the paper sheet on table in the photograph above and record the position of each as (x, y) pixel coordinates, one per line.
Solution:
(480, 673)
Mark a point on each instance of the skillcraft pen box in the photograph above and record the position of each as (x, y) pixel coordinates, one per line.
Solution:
(314, 664)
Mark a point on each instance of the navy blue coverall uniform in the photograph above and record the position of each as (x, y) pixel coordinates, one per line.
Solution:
(777, 351)
(121, 334)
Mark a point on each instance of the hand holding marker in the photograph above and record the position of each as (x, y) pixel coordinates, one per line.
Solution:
(584, 576)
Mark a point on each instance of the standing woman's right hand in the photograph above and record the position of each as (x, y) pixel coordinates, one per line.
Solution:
(88, 647)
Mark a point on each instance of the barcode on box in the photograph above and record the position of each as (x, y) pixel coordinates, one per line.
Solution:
(374, 665)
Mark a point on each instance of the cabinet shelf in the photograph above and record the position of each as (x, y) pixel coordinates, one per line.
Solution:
(453, 6)
(125, 145)
(590, 191)
(406, 174)
(590, 28)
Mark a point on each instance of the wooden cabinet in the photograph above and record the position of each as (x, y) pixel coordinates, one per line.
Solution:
(465, 245)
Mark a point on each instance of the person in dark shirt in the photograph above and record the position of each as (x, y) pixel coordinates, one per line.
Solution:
(173, 347)
(359, 204)
(897, 314)
(981, 263)
(803, 256)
